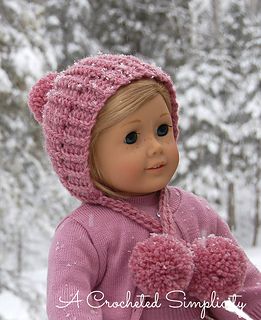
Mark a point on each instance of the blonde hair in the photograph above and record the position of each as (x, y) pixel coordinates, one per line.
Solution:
(125, 101)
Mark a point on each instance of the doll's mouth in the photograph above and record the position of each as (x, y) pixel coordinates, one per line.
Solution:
(157, 166)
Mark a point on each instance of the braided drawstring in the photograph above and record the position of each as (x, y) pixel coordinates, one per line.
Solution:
(126, 209)
(166, 215)
(166, 224)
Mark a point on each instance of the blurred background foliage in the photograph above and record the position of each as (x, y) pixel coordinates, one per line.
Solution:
(212, 52)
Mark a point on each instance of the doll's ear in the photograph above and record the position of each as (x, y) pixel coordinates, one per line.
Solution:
(38, 95)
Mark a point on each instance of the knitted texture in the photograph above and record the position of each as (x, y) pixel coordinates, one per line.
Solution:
(162, 262)
(91, 249)
(67, 105)
(38, 96)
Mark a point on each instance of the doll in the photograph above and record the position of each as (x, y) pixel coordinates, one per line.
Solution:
(136, 248)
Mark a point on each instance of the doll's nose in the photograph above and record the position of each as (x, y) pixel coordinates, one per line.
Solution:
(154, 147)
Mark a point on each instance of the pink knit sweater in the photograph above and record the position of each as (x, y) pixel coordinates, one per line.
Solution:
(88, 274)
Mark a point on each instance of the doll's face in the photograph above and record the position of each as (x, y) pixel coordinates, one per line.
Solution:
(127, 152)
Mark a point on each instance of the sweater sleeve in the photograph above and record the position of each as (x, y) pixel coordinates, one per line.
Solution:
(73, 272)
(250, 294)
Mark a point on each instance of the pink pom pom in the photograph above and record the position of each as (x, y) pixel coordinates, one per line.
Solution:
(220, 266)
(38, 95)
(161, 264)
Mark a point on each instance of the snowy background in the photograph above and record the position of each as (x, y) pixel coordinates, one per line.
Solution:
(213, 54)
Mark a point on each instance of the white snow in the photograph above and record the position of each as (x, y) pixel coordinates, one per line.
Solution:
(11, 306)
(5, 83)
(254, 254)
(28, 61)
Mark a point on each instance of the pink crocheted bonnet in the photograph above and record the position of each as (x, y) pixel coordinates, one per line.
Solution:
(66, 104)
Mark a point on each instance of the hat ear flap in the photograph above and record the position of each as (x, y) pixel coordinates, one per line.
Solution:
(38, 95)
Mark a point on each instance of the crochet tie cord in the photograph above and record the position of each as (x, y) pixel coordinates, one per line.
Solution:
(163, 263)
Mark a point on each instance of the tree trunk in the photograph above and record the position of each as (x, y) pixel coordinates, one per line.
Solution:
(215, 19)
(257, 207)
(231, 206)
(253, 6)
(19, 252)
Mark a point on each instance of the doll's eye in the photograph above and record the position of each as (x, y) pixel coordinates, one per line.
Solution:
(131, 137)
(163, 130)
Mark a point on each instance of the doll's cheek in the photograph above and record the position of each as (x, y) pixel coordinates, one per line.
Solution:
(129, 169)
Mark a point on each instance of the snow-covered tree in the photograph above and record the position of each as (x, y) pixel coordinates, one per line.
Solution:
(154, 29)
(67, 24)
(251, 106)
(220, 116)
(212, 51)
(31, 200)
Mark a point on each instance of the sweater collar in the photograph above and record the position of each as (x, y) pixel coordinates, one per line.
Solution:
(150, 199)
